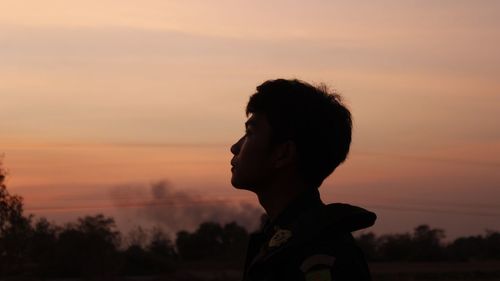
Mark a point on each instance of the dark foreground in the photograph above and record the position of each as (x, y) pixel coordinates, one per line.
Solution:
(436, 271)
(382, 271)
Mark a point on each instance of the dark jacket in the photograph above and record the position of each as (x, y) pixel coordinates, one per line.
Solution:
(309, 241)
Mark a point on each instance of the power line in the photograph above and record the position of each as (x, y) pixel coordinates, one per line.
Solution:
(426, 202)
(437, 159)
(434, 211)
(211, 202)
(139, 204)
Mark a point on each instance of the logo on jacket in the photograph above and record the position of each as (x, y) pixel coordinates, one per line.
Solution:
(280, 237)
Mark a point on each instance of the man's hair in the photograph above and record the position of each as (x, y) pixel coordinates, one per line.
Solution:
(314, 118)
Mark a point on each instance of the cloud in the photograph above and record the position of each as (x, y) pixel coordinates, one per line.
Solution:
(177, 210)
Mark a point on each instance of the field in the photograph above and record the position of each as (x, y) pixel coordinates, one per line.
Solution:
(436, 271)
(381, 271)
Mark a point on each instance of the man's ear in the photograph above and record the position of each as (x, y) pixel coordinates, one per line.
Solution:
(285, 154)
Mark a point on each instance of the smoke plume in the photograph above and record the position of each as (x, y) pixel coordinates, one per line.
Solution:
(177, 210)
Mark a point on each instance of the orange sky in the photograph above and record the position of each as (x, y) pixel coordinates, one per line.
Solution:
(100, 94)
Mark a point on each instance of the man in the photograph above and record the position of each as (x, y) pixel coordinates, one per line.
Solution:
(296, 135)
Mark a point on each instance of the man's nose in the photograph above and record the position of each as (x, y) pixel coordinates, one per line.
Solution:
(235, 148)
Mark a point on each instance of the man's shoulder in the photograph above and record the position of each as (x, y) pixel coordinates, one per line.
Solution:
(335, 254)
(326, 228)
(330, 256)
(331, 222)
(317, 245)
(326, 245)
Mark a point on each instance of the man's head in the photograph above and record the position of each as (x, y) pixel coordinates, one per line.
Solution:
(291, 123)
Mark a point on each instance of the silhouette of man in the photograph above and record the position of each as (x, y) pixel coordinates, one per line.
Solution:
(296, 135)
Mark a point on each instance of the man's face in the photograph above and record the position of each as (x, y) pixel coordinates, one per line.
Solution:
(252, 162)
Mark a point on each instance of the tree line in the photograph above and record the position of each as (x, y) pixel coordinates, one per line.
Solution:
(93, 246)
(426, 244)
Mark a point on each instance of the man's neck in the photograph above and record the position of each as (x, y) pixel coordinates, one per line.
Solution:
(277, 197)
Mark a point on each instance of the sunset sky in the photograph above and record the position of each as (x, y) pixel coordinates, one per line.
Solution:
(101, 100)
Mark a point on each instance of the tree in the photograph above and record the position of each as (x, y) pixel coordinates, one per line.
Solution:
(427, 243)
(88, 247)
(160, 244)
(369, 244)
(42, 246)
(186, 247)
(15, 229)
(137, 237)
(492, 241)
(477, 247)
(467, 248)
(395, 246)
(235, 241)
(213, 241)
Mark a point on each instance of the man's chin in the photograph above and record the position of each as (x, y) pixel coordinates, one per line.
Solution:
(236, 184)
(239, 185)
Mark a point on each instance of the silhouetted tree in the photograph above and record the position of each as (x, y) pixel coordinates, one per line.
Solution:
(161, 251)
(427, 243)
(160, 244)
(213, 241)
(42, 246)
(369, 244)
(136, 261)
(206, 241)
(476, 247)
(467, 248)
(210, 238)
(89, 247)
(492, 241)
(148, 252)
(235, 241)
(137, 237)
(186, 247)
(395, 246)
(15, 229)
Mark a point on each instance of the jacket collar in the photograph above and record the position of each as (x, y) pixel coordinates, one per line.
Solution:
(306, 201)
